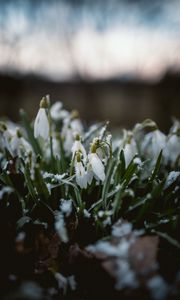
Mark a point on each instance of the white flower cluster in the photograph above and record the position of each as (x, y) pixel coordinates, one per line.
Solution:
(13, 141)
(136, 142)
(149, 144)
(87, 153)
(86, 166)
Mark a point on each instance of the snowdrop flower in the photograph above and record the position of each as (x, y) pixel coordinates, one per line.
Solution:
(130, 148)
(68, 140)
(96, 164)
(172, 151)
(89, 174)
(117, 144)
(100, 153)
(153, 143)
(57, 113)
(16, 144)
(72, 121)
(100, 146)
(7, 135)
(78, 147)
(81, 175)
(13, 141)
(76, 124)
(41, 123)
(19, 146)
(173, 148)
(140, 129)
(71, 127)
(56, 147)
(175, 127)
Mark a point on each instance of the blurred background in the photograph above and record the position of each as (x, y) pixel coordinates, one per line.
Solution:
(116, 60)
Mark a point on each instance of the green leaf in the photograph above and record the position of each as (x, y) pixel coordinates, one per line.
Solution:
(130, 171)
(118, 201)
(120, 168)
(40, 184)
(168, 238)
(107, 182)
(63, 163)
(29, 182)
(30, 134)
(157, 167)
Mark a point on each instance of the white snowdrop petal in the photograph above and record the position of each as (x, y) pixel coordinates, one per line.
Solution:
(81, 177)
(26, 146)
(173, 148)
(14, 145)
(130, 151)
(82, 182)
(57, 113)
(41, 125)
(100, 153)
(89, 176)
(97, 166)
(152, 144)
(77, 146)
(36, 125)
(69, 139)
(76, 126)
(56, 110)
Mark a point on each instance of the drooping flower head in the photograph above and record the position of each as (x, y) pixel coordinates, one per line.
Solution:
(173, 144)
(81, 174)
(130, 147)
(16, 144)
(41, 124)
(78, 147)
(153, 142)
(95, 164)
(57, 111)
(71, 127)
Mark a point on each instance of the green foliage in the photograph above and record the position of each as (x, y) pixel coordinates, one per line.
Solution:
(139, 185)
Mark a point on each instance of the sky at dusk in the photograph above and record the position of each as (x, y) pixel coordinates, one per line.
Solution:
(90, 39)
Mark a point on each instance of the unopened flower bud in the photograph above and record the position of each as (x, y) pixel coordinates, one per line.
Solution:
(93, 148)
(18, 133)
(74, 114)
(77, 137)
(78, 156)
(45, 102)
(3, 127)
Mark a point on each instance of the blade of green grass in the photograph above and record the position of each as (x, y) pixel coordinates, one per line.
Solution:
(157, 167)
(30, 134)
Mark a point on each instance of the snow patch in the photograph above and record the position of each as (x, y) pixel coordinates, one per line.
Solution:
(125, 277)
(172, 177)
(157, 287)
(66, 207)
(61, 227)
(121, 229)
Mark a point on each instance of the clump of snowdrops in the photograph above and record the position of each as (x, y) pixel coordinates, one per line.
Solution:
(132, 175)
